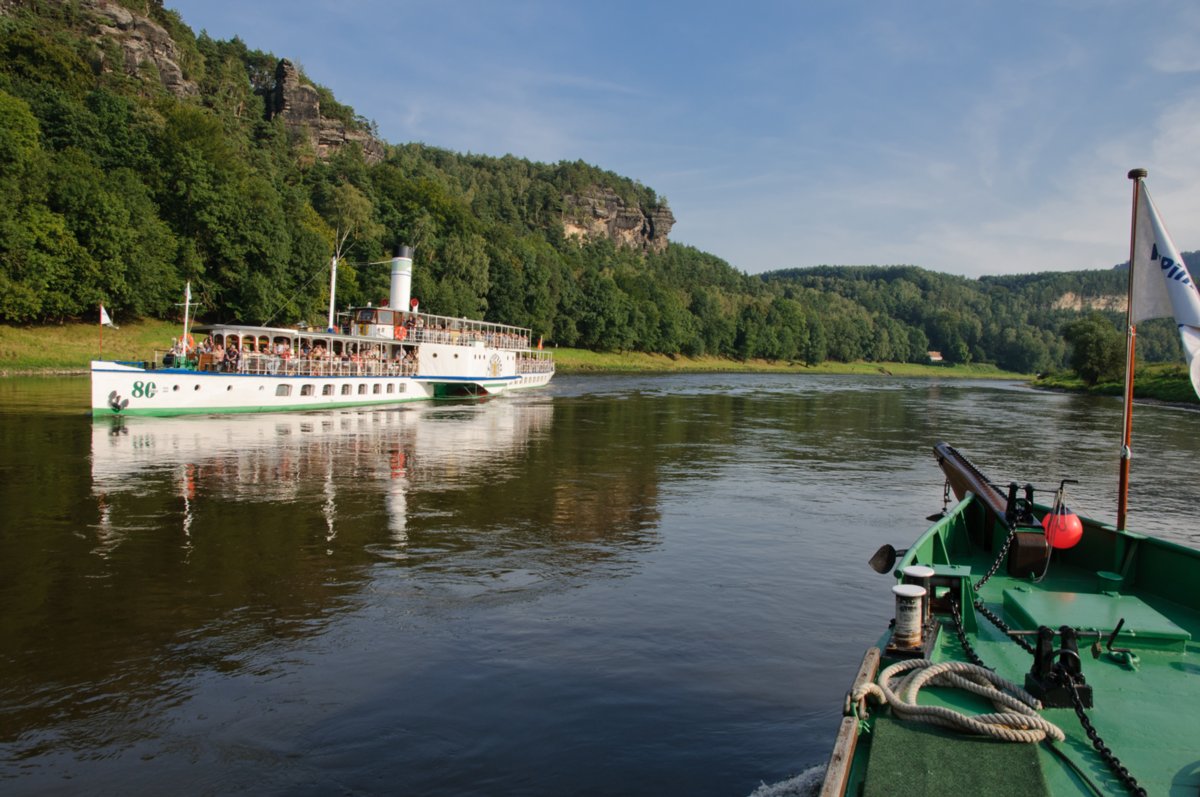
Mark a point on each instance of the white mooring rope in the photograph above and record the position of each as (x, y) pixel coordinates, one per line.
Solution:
(1019, 723)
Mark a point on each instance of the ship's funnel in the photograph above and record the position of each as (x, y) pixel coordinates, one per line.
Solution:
(401, 278)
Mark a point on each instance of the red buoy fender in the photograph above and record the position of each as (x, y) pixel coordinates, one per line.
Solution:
(1063, 528)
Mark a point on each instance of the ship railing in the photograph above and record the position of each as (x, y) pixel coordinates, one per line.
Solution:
(467, 337)
(277, 365)
(535, 362)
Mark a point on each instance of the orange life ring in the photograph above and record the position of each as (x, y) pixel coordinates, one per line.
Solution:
(399, 332)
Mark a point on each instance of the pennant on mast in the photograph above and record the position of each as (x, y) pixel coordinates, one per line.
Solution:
(1160, 284)
(1159, 287)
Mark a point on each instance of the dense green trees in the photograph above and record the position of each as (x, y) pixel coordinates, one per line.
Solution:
(1097, 348)
(113, 190)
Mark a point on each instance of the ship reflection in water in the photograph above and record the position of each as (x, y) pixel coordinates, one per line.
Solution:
(455, 473)
(282, 459)
(220, 558)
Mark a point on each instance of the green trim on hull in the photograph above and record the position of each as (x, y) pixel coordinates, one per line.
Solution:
(98, 412)
(105, 412)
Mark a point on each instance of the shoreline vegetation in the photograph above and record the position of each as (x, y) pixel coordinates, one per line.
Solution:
(68, 348)
(581, 361)
(1164, 382)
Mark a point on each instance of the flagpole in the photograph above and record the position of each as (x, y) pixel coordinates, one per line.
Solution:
(1137, 175)
(100, 320)
(187, 301)
(187, 305)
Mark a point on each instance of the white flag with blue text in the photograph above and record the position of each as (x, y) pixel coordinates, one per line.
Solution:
(1162, 286)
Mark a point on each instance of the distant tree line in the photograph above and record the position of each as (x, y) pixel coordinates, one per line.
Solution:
(113, 190)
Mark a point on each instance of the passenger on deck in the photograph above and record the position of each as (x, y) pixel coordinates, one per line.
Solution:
(232, 356)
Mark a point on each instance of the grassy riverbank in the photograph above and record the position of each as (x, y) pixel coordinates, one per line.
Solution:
(1158, 382)
(581, 361)
(68, 349)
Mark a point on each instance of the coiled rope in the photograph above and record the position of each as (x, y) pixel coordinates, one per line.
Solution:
(1016, 720)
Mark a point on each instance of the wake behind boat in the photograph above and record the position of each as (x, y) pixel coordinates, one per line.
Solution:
(375, 356)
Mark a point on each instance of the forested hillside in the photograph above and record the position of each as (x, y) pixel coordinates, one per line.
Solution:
(123, 175)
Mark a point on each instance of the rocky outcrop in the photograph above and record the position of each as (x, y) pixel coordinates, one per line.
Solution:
(600, 212)
(147, 48)
(299, 107)
(1072, 301)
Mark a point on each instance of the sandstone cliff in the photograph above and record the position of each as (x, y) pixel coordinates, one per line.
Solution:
(600, 212)
(1073, 301)
(149, 53)
(147, 48)
(300, 109)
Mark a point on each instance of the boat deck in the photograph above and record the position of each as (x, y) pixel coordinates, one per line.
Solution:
(1148, 714)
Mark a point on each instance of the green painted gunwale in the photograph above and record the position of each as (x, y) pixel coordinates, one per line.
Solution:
(1149, 718)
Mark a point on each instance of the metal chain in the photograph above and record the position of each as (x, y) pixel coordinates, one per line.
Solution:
(1111, 760)
(1106, 754)
(972, 656)
(995, 620)
(1012, 535)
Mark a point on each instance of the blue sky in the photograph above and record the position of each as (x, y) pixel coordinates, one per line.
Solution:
(965, 137)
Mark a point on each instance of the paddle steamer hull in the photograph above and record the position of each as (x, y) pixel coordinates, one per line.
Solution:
(129, 389)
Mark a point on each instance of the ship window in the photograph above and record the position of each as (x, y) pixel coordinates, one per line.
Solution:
(345, 390)
(283, 390)
(391, 388)
(306, 390)
(377, 389)
(197, 387)
(362, 389)
(327, 390)
(403, 388)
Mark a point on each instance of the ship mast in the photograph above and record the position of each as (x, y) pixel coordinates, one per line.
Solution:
(1137, 175)
(187, 305)
(332, 289)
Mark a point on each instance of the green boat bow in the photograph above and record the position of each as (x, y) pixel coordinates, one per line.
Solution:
(1098, 638)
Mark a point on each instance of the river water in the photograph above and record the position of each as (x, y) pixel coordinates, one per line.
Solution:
(619, 585)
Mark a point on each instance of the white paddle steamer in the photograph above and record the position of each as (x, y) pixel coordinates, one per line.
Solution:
(372, 356)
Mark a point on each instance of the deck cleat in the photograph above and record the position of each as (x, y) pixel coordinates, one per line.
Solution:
(1056, 672)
